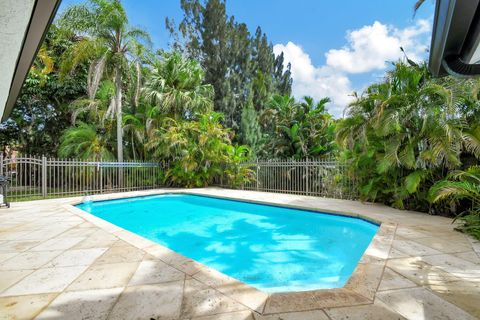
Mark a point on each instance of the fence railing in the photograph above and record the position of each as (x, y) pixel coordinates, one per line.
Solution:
(41, 177)
(319, 177)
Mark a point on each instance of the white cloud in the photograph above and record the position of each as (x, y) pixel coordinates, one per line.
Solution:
(368, 49)
(317, 82)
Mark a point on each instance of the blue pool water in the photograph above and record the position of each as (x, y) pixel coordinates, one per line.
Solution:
(272, 248)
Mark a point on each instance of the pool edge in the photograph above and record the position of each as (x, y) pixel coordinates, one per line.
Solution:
(268, 203)
(359, 289)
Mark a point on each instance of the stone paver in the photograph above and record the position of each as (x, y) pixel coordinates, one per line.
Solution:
(375, 311)
(57, 262)
(240, 315)
(412, 248)
(468, 256)
(17, 246)
(57, 244)
(29, 260)
(98, 239)
(306, 315)
(392, 280)
(9, 278)
(24, 307)
(202, 300)
(446, 244)
(7, 255)
(119, 254)
(102, 276)
(420, 303)
(80, 305)
(249, 296)
(45, 281)
(76, 257)
(161, 301)
(154, 272)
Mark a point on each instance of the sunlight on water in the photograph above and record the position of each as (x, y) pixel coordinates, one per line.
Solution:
(272, 248)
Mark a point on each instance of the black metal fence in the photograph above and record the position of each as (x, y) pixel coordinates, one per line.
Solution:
(41, 177)
(318, 177)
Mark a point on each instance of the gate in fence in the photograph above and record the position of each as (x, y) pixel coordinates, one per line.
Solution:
(319, 177)
(41, 177)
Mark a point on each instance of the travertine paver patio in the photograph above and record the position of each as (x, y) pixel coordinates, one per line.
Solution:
(58, 263)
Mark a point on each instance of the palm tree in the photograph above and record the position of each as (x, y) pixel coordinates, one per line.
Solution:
(279, 107)
(298, 130)
(140, 126)
(175, 86)
(279, 121)
(408, 129)
(85, 141)
(417, 5)
(97, 109)
(413, 116)
(462, 185)
(318, 127)
(235, 172)
(106, 40)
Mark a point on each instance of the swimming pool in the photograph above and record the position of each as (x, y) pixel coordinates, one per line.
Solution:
(274, 249)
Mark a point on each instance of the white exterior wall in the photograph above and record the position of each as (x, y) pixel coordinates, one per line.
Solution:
(14, 18)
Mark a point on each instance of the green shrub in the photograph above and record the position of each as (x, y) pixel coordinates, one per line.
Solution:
(462, 186)
(199, 151)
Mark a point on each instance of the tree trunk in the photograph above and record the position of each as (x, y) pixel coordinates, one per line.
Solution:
(118, 107)
(138, 84)
(133, 149)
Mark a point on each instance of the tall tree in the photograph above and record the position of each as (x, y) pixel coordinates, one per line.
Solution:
(250, 130)
(42, 109)
(234, 61)
(282, 76)
(175, 86)
(107, 40)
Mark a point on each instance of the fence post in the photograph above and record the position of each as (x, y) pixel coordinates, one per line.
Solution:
(256, 177)
(44, 176)
(100, 168)
(307, 166)
(1, 163)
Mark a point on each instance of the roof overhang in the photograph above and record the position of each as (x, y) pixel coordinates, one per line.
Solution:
(23, 26)
(455, 47)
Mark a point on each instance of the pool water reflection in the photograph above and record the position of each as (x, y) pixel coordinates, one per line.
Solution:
(274, 249)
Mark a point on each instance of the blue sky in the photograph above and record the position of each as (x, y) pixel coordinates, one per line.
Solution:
(335, 47)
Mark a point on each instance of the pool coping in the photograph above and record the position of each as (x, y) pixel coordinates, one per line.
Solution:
(360, 288)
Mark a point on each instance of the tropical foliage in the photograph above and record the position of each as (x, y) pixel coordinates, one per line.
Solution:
(461, 186)
(42, 109)
(241, 67)
(198, 151)
(407, 132)
(298, 129)
(85, 142)
(175, 87)
(98, 90)
(105, 41)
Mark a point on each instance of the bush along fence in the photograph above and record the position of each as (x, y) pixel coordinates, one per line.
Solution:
(40, 177)
(312, 177)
